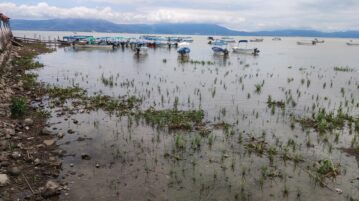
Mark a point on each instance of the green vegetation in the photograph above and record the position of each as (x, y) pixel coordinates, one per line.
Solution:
(326, 168)
(18, 106)
(174, 119)
(343, 69)
(324, 121)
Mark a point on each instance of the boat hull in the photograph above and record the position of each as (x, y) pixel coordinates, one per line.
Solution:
(353, 44)
(183, 51)
(238, 50)
(219, 50)
(86, 46)
(306, 43)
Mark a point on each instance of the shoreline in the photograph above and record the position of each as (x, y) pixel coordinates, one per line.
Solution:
(30, 159)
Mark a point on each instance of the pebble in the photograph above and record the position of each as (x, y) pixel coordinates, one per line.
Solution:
(4, 180)
(60, 135)
(49, 142)
(46, 131)
(85, 156)
(28, 122)
(97, 165)
(10, 131)
(15, 155)
(14, 171)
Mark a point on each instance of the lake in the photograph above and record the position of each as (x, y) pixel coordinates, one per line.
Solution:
(267, 151)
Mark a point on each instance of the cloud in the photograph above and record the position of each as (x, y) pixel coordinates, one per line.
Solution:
(325, 15)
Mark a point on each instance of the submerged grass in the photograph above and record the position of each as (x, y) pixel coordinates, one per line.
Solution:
(174, 119)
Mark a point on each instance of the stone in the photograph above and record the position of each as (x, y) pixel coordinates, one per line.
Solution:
(4, 180)
(15, 155)
(37, 161)
(51, 189)
(49, 142)
(60, 135)
(14, 171)
(28, 122)
(10, 131)
(97, 165)
(70, 131)
(46, 131)
(85, 156)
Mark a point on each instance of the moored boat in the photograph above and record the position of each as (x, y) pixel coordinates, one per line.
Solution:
(183, 49)
(220, 47)
(352, 43)
(245, 50)
(276, 39)
(304, 42)
(257, 40)
(318, 41)
(228, 39)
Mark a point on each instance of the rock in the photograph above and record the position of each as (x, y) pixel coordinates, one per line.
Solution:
(85, 156)
(46, 131)
(60, 135)
(70, 131)
(338, 190)
(4, 180)
(15, 155)
(49, 142)
(97, 165)
(28, 122)
(10, 131)
(14, 171)
(37, 161)
(51, 189)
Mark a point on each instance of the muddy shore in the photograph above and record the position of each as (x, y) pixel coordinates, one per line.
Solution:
(29, 160)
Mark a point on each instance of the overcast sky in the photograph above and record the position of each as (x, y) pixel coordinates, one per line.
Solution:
(247, 15)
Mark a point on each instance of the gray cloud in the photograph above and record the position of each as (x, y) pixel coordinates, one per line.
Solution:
(326, 15)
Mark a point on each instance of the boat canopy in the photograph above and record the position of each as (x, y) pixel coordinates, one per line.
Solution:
(243, 41)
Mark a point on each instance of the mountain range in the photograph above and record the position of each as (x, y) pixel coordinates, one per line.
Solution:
(87, 25)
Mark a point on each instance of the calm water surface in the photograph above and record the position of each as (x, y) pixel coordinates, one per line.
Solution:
(131, 155)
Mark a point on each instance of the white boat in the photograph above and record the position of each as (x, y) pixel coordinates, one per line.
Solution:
(87, 46)
(257, 40)
(351, 43)
(228, 39)
(309, 42)
(276, 39)
(245, 50)
(318, 41)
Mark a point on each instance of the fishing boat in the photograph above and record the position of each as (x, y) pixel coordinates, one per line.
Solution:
(245, 50)
(187, 39)
(228, 39)
(318, 41)
(69, 40)
(352, 43)
(183, 49)
(92, 42)
(307, 42)
(276, 39)
(257, 40)
(220, 47)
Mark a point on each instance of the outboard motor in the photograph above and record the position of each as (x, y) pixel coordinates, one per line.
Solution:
(256, 51)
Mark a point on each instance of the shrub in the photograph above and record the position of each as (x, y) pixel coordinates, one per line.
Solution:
(18, 106)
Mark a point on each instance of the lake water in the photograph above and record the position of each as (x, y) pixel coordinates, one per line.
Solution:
(131, 155)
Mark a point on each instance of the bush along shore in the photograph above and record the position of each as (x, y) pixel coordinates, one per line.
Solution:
(29, 157)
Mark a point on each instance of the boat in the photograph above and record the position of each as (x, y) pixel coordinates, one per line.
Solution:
(70, 40)
(351, 43)
(245, 50)
(257, 40)
(276, 39)
(219, 47)
(309, 42)
(92, 42)
(318, 41)
(210, 38)
(228, 40)
(141, 50)
(183, 49)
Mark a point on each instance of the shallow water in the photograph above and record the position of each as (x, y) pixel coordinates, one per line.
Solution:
(132, 154)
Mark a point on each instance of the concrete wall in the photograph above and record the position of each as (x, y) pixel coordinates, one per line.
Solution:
(5, 41)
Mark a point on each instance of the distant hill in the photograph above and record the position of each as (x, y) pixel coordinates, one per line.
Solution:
(85, 25)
